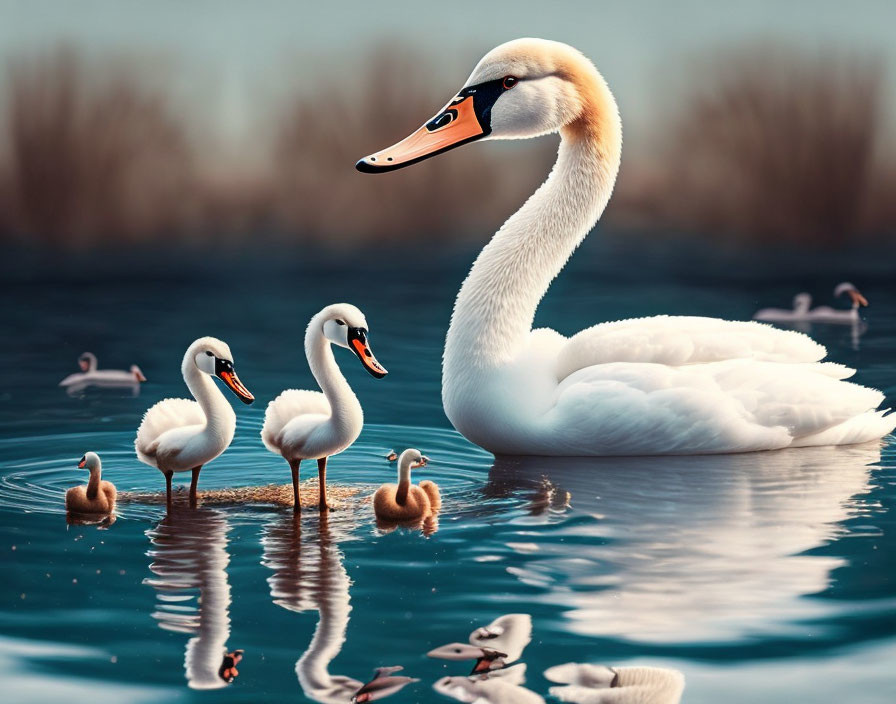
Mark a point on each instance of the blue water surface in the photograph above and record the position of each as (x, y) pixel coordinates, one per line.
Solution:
(762, 577)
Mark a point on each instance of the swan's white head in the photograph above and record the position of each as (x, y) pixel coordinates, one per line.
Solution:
(857, 298)
(344, 325)
(524, 88)
(213, 357)
(90, 461)
(87, 362)
(412, 459)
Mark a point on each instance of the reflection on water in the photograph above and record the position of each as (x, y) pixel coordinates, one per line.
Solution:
(189, 561)
(691, 548)
(309, 576)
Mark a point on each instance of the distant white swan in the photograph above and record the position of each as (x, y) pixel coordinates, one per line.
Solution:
(803, 312)
(91, 376)
(649, 386)
(179, 435)
(310, 425)
(596, 684)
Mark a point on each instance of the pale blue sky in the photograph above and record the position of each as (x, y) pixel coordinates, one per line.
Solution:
(244, 46)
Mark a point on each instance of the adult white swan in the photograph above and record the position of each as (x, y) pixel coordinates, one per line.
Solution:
(803, 312)
(177, 435)
(310, 425)
(661, 385)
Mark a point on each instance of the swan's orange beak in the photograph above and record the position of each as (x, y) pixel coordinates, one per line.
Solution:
(358, 343)
(82, 463)
(455, 125)
(857, 298)
(466, 118)
(225, 372)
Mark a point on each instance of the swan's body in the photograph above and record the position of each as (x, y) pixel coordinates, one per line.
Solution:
(177, 435)
(98, 496)
(803, 312)
(405, 501)
(493, 647)
(91, 376)
(594, 684)
(302, 425)
(662, 385)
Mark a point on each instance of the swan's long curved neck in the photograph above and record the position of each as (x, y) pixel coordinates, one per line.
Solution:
(343, 402)
(93, 484)
(496, 305)
(209, 398)
(404, 483)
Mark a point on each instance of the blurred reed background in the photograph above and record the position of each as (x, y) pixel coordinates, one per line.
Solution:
(759, 142)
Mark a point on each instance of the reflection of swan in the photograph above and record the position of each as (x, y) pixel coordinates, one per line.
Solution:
(106, 378)
(823, 314)
(493, 646)
(384, 684)
(189, 553)
(177, 435)
(310, 575)
(660, 385)
(702, 548)
(590, 684)
(490, 691)
(310, 425)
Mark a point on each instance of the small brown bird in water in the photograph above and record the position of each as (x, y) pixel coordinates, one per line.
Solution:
(98, 496)
(405, 501)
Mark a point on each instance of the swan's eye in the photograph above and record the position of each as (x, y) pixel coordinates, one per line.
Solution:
(210, 354)
(340, 322)
(510, 82)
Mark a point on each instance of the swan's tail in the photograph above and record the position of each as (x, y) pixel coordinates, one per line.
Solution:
(432, 492)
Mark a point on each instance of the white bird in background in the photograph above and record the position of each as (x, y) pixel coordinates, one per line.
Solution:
(91, 376)
(179, 435)
(596, 684)
(310, 425)
(649, 386)
(803, 312)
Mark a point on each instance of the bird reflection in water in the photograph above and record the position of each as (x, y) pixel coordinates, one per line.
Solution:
(189, 562)
(710, 548)
(309, 575)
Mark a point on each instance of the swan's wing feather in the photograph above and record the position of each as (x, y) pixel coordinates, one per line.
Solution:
(287, 406)
(681, 340)
(162, 417)
(738, 405)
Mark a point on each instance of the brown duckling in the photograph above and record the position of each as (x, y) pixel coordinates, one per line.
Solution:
(406, 501)
(98, 496)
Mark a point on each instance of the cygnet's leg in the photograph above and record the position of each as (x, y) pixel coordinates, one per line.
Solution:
(322, 480)
(296, 497)
(168, 489)
(193, 484)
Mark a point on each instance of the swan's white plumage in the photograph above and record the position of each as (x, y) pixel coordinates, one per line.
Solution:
(660, 385)
(680, 340)
(292, 408)
(168, 414)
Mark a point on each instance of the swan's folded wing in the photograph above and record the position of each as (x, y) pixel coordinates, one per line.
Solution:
(288, 405)
(737, 405)
(681, 340)
(163, 416)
